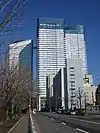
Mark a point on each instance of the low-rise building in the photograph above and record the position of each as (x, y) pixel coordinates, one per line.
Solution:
(98, 96)
(90, 95)
(89, 89)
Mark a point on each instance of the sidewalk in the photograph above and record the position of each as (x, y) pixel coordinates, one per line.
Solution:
(21, 126)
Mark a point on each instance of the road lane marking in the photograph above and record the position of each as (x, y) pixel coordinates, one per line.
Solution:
(63, 123)
(92, 122)
(51, 118)
(81, 130)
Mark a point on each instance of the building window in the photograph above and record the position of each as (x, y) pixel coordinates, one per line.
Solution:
(72, 88)
(72, 74)
(72, 78)
(71, 71)
(71, 67)
(72, 85)
(72, 81)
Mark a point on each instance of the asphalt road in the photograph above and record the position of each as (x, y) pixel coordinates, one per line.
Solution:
(94, 118)
(84, 124)
(22, 126)
(47, 124)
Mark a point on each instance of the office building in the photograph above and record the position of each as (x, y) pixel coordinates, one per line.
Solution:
(50, 52)
(60, 94)
(21, 54)
(20, 60)
(20, 66)
(75, 45)
(89, 89)
(90, 95)
(68, 85)
(88, 80)
(55, 43)
(75, 86)
(49, 91)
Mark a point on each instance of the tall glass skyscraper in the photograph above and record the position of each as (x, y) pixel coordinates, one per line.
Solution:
(56, 43)
(20, 58)
(21, 53)
(50, 52)
(75, 45)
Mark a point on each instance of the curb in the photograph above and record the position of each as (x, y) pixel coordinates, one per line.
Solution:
(33, 130)
(15, 124)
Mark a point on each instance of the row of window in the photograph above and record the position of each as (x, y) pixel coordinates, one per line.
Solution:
(50, 25)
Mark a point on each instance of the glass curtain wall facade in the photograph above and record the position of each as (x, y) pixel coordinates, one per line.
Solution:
(75, 45)
(20, 60)
(50, 52)
(56, 43)
(20, 52)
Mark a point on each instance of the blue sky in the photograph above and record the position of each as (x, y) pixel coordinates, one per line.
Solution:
(86, 12)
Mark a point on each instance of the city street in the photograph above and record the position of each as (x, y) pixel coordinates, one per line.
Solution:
(58, 123)
(73, 123)
(45, 124)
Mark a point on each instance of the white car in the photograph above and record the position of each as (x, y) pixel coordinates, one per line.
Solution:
(73, 113)
(34, 111)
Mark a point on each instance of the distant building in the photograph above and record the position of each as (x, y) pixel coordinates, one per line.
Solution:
(20, 59)
(98, 96)
(21, 54)
(90, 95)
(88, 80)
(67, 82)
(89, 89)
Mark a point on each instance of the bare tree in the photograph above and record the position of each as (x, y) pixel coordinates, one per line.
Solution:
(80, 96)
(10, 20)
(15, 86)
(13, 10)
(11, 81)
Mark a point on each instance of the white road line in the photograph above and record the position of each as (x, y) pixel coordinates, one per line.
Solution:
(92, 122)
(63, 123)
(51, 118)
(81, 130)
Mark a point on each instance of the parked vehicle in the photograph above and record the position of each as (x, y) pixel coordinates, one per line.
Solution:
(73, 112)
(60, 111)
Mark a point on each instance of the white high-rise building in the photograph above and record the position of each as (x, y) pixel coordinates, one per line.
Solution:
(75, 45)
(55, 44)
(68, 86)
(20, 51)
(50, 52)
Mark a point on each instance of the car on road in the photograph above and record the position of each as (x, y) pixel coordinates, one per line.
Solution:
(60, 111)
(34, 111)
(73, 112)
